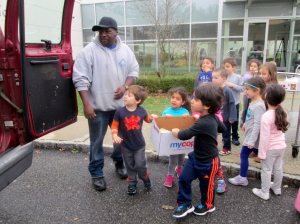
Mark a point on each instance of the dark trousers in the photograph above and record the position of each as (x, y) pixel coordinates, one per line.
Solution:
(97, 129)
(136, 164)
(227, 136)
(235, 125)
(205, 172)
(245, 152)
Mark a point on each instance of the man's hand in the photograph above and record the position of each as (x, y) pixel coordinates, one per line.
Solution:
(119, 92)
(89, 112)
(175, 132)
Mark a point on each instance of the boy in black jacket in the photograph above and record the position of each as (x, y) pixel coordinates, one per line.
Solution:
(203, 162)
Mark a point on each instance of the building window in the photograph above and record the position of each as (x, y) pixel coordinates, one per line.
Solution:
(232, 28)
(205, 30)
(201, 49)
(87, 16)
(145, 54)
(271, 8)
(176, 57)
(140, 12)
(233, 47)
(140, 33)
(180, 31)
(112, 9)
(233, 10)
(205, 10)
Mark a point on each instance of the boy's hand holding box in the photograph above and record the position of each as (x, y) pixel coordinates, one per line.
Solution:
(163, 140)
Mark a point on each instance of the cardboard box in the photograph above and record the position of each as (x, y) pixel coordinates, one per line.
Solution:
(163, 140)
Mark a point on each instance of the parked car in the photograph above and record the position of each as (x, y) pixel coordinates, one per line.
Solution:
(36, 91)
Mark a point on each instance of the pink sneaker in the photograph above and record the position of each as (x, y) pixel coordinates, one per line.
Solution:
(169, 181)
(178, 170)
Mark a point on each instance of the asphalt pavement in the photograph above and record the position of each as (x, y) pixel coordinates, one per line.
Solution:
(57, 189)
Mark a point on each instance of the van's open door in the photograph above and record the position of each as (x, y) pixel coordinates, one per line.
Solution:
(36, 91)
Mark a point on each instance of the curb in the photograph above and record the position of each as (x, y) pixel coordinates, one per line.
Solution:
(229, 168)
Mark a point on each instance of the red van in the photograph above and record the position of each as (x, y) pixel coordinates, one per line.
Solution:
(36, 91)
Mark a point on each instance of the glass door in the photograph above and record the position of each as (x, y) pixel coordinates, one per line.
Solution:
(257, 37)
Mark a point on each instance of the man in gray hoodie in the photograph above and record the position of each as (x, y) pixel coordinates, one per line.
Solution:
(102, 72)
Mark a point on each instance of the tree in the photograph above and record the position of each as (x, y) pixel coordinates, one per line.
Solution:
(163, 14)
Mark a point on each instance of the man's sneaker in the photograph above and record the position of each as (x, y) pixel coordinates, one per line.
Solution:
(178, 170)
(277, 192)
(259, 193)
(202, 210)
(225, 152)
(235, 142)
(120, 170)
(183, 210)
(238, 180)
(147, 184)
(221, 186)
(131, 190)
(169, 181)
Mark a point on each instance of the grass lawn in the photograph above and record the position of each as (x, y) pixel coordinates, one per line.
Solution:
(154, 104)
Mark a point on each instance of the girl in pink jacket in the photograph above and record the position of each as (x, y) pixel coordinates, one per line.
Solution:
(272, 142)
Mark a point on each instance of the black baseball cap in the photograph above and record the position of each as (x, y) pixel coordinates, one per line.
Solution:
(106, 22)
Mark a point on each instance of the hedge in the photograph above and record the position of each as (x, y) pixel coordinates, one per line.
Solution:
(155, 84)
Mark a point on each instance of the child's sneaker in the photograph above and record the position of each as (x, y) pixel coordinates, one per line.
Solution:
(225, 152)
(147, 185)
(236, 142)
(178, 170)
(238, 180)
(221, 186)
(202, 210)
(183, 210)
(277, 192)
(169, 181)
(259, 193)
(131, 190)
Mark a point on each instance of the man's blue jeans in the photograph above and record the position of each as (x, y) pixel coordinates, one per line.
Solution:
(97, 128)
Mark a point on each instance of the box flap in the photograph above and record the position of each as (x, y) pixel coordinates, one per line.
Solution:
(175, 122)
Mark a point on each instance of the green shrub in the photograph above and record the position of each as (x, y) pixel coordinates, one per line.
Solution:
(154, 84)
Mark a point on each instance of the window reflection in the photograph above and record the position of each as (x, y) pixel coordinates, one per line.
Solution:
(112, 9)
(140, 33)
(145, 54)
(205, 10)
(233, 47)
(206, 30)
(201, 49)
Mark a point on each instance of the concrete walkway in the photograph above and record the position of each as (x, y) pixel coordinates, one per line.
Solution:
(75, 138)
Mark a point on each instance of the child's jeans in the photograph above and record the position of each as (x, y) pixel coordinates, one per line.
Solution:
(205, 172)
(245, 152)
(272, 163)
(136, 164)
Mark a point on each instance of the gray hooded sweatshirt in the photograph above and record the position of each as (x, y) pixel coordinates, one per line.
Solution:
(101, 70)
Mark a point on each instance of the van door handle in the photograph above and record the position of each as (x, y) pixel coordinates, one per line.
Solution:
(40, 62)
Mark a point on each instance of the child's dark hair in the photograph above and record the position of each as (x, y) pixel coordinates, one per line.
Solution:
(254, 60)
(231, 61)
(211, 96)
(275, 94)
(139, 93)
(222, 72)
(256, 83)
(206, 58)
(184, 95)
